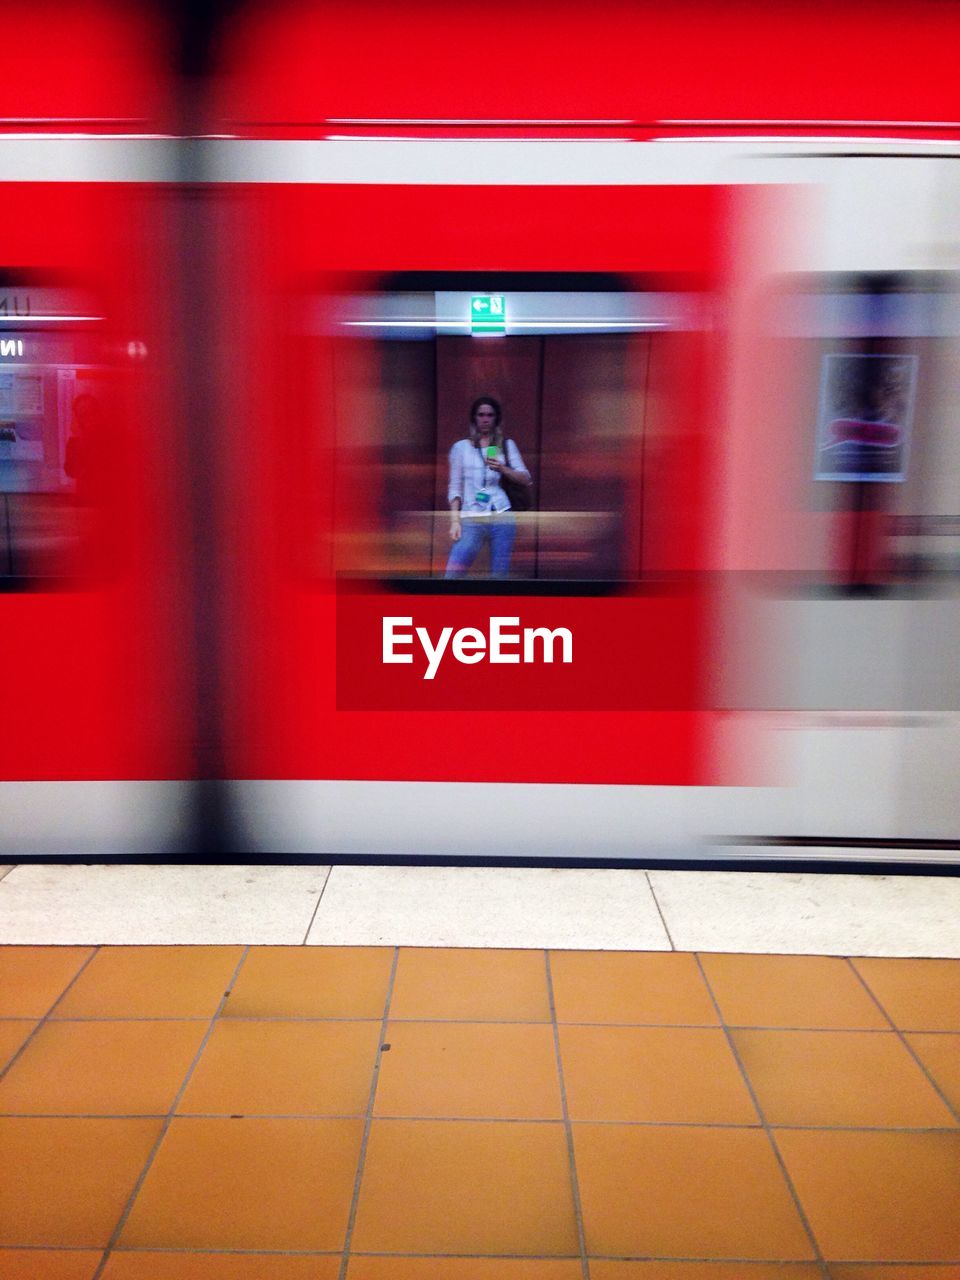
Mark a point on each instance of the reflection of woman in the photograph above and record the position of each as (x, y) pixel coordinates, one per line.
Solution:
(85, 458)
(475, 492)
(91, 461)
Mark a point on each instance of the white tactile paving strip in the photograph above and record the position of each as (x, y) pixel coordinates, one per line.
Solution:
(810, 914)
(158, 904)
(775, 912)
(489, 907)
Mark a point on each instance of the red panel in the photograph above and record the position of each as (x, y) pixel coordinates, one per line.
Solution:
(640, 60)
(88, 61)
(365, 228)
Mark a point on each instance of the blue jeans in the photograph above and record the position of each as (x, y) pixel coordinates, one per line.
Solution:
(499, 531)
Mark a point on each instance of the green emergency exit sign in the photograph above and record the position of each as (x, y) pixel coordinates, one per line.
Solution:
(488, 313)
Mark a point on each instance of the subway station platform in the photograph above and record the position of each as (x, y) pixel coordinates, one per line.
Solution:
(387, 1073)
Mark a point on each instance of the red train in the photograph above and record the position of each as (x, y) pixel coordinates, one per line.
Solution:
(254, 327)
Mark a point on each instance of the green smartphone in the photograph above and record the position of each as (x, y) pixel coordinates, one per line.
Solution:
(492, 450)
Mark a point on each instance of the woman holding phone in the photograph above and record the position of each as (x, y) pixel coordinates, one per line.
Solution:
(480, 510)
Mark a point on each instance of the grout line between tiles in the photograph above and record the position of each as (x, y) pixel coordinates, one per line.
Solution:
(165, 1126)
(821, 1262)
(774, 1262)
(431, 1119)
(499, 1022)
(30, 1038)
(189, 1250)
(901, 1036)
(206, 1251)
(663, 918)
(316, 908)
(568, 1129)
(495, 1257)
(368, 1121)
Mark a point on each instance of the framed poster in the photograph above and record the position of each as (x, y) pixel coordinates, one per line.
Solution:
(865, 416)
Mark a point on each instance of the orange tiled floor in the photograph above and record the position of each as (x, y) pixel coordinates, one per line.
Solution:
(221, 1113)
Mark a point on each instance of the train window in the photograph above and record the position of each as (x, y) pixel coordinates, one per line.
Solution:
(877, 412)
(495, 432)
(59, 440)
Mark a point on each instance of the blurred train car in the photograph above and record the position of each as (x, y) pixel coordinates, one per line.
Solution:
(705, 259)
(729, 336)
(98, 706)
